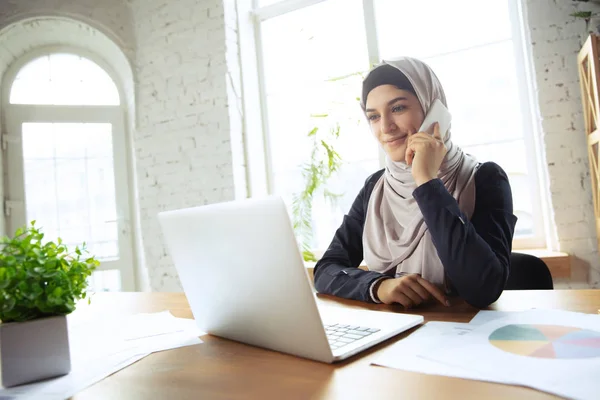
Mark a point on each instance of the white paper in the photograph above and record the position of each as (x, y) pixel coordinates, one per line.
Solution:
(484, 316)
(404, 354)
(101, 347)
(577, 378)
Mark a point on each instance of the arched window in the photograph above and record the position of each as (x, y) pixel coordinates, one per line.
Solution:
(64, 79)
(66, 159)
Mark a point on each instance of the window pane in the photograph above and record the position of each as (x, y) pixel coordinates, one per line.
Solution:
(479, 75)
(482, 93)
(305, 78)
(511, 156)
(69, 184)
(63, 79)
(430, 27)
(299, 46)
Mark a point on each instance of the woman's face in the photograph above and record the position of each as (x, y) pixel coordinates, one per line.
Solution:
(393, 115)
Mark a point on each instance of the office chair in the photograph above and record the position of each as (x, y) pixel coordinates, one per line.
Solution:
(528, 272)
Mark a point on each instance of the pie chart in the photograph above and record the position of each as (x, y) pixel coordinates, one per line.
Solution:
(547, 341)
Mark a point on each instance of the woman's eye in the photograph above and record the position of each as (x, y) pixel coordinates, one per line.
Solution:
(373, 117)
(397, 108)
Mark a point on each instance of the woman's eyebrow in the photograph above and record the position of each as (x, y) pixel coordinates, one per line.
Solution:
(389, 103)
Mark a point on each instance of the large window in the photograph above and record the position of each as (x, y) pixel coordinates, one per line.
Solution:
(305, 81)
(66, 160)
(313, 54)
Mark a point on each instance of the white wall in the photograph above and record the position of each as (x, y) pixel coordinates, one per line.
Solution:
(555, 40)
(186, 109)
(112, 17)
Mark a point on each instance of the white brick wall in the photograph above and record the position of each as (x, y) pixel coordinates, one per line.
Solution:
(556, 39)
(186, 108)
(113, 17)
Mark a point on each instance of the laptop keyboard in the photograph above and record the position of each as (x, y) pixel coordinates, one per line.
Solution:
(340, 335)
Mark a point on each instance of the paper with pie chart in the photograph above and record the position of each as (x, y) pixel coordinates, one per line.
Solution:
(549, 350)
(547, 341)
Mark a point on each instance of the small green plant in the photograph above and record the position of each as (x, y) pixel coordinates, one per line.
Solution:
(583, 14)
(323, 163)
(40, 279)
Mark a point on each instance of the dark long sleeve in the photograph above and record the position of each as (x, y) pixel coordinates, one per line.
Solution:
(475, 253)
(337, 272)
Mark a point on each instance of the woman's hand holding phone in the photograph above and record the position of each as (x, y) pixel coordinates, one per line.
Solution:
(425, 153)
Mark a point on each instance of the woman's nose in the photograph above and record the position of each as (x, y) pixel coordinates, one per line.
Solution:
(388, 125)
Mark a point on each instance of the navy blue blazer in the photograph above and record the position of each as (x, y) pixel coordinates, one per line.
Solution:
(475, 253)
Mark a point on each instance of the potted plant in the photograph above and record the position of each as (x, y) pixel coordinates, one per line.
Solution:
(329, 111)
(323, 163)
(40, 283)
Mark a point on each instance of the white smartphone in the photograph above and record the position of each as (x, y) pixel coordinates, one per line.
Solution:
(440, 114)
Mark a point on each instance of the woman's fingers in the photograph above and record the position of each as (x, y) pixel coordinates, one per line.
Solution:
(403, 299)
(434, 290)
(419, 289)
(406, 287)
(409, 155)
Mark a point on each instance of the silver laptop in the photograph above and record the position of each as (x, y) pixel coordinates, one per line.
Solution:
(240, 266)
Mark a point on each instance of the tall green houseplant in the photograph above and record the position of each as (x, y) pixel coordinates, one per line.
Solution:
(323, 163)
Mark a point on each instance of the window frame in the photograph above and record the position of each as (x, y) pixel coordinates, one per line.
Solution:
(525, 78)
(116, 115)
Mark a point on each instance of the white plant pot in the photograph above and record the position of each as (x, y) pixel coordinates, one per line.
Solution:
(34, 350)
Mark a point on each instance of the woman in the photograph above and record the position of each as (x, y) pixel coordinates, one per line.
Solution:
(434, 222)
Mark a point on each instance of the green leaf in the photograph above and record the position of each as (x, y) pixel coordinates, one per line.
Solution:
(582, 14)
(321, 163)
(7, 306)
(4, 278)
(40, 278)
(308, 256)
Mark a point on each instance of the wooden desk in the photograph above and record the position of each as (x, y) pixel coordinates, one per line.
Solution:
(222, 369)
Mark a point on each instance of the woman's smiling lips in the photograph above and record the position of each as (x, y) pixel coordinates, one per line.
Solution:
(396, 141)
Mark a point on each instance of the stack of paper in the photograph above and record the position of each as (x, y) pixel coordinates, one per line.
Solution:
(549, 350)
(101, 347)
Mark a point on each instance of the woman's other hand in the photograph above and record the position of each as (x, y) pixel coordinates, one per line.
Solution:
(425, 154)
(409, 290)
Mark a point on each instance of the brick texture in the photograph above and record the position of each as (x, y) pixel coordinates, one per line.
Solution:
(112, 17)
(186, 96)
(556, 39)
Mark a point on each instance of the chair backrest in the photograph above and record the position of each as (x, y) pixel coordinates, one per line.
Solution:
(528, 272)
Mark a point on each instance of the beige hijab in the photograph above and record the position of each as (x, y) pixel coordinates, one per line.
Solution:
(396, 240)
